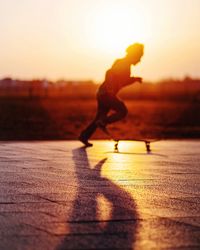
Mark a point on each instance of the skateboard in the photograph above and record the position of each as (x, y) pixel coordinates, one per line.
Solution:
(146, 141)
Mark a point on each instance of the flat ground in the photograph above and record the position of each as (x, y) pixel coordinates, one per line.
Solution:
(59, 195)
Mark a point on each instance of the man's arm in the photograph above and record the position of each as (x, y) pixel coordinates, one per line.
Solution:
(136, 79)
(133, 80)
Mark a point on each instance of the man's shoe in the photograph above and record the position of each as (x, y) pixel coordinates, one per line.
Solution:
(85, 141)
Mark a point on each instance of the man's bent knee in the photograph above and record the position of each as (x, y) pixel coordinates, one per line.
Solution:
(123, 111)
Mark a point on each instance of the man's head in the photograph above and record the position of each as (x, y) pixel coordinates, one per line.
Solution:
(135, 52)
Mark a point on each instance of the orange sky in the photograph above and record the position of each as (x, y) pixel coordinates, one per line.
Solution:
(81, 39)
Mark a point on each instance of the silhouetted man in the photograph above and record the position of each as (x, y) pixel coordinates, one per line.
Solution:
(117, 77)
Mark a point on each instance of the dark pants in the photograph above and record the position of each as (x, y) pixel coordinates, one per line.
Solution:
(106, 103)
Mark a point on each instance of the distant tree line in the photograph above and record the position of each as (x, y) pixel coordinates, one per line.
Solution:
(168, 89)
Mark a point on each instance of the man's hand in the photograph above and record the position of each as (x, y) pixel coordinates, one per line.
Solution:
(133, 80)
(138, 79)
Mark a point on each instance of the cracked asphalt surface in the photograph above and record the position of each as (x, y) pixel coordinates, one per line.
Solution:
(60, 195)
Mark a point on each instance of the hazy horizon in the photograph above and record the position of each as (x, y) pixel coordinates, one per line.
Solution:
(80, 40)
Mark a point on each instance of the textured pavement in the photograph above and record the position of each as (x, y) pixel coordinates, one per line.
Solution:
(59, 195)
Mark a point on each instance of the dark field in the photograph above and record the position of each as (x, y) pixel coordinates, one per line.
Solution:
(64, 118)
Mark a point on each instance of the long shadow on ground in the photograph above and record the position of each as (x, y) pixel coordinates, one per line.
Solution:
(86, 230)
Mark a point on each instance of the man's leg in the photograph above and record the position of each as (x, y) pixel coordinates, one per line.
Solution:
(120, 110)
(91, 128)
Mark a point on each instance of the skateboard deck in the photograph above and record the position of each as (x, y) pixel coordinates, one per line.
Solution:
(145, 140)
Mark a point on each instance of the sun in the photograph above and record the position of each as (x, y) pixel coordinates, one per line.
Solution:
(115, 26)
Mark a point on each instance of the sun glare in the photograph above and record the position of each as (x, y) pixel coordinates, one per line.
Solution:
(115, 27)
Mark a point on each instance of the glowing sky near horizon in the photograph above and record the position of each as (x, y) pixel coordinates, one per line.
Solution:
(80, 39)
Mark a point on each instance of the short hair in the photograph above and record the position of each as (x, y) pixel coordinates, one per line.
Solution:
(136, 48)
